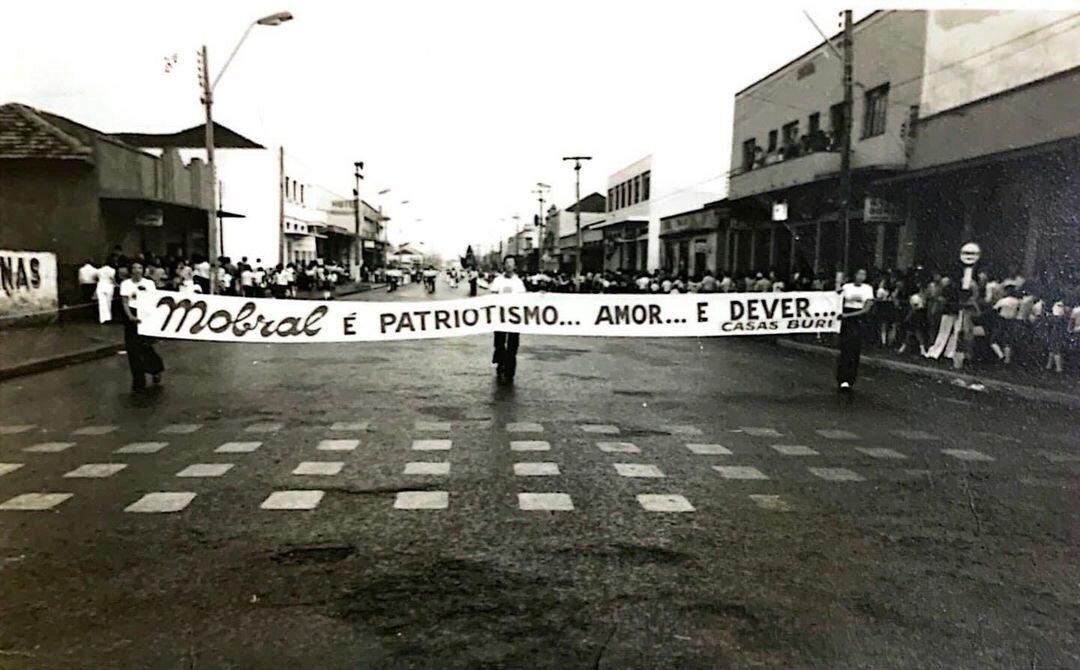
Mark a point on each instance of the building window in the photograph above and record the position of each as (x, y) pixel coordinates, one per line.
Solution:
(815, 123)
(749, 148)
(611, 200)
(772, 141)
(876, 104)
(645, 185)
(301, 194)
(791, 134)
(836, 120)
(637, 189)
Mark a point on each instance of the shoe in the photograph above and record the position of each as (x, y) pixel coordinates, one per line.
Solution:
(845, 386)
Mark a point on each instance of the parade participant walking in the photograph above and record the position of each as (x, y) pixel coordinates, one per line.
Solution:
(135, 292)
(88, 278)
(857, 298)
(506, 344)
(106, 291)
(474, 280)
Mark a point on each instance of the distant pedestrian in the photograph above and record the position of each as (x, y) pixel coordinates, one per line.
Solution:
(87, 282)
(138, 292)
(506, 344)
(857, 298)
(105, 291)
(474, 280)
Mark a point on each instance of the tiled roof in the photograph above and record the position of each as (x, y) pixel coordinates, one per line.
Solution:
(191, 138)
(25, 133)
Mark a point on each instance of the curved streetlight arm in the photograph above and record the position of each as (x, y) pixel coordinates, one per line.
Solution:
(239, 44)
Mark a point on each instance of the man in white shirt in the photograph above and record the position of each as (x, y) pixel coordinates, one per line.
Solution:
(247, 282)
(506, 344)
(88, 276)
(202, 274)
(857, 297)
(137, 292)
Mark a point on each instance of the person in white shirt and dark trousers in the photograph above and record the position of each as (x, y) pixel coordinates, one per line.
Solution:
(506, 344)
(857, 298)
(136, 292)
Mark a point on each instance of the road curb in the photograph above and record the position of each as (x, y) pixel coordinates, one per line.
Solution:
(37, 365)
(1018, 390)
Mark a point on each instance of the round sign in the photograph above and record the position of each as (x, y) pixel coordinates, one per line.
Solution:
(970, 253)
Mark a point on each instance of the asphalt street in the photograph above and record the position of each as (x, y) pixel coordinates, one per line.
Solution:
(628, 503)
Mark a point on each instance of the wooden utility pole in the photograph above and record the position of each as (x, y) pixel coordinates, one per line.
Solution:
(577, 207)
(843, 232)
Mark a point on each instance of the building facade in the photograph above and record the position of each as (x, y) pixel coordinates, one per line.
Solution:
(561, 226)
(695, 242)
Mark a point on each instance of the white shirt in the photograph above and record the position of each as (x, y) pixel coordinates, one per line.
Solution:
(504, 284)
(247, 278)
(202, 269)
(643, 283)
(135, 291)
(106, 279)
(259, 277)
(88, 274)
(1008, 307)
(856, 297)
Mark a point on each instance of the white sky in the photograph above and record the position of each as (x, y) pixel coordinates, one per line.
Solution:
(459, 107)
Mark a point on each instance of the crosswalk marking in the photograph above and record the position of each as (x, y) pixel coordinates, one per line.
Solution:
(739, 472)
(836, 434)
(967, 454)
(618, 447)
(664, 502)
(1059, 457)
(602, 429)
(431, 445)
(338, 445)
(422, 500)
(709, 449)
(638, 470)
(545, 502)
(238, 447)
(15, 430)
(319, 468)
(915, 434)
(49, 447)
(530, 445)
(881, 452)
(181, 428)
(681, 430)
(427, 468)
(303, 499)
(837, 474)
(6, 468)
(205, 470)
(161, 502)
(524, 427)
(142, 448)
(264, 427)
(771, 502)
(350, 426)
(433, 426)
(794, 450)
(96, 470)
(536, 469)
(760, 432)
(93, 430)
(34, 502)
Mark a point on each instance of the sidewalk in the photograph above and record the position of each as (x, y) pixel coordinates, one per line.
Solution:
(1028, 384)
(25, 351)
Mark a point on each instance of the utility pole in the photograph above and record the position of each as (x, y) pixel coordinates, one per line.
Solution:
(541, 189)
(844, 223)
(281, 204)
(577, 207)
(212, 242)
(358, 173)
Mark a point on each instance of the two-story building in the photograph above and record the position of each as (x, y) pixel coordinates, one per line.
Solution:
(355, 240)
(697, 241)
(560, 230)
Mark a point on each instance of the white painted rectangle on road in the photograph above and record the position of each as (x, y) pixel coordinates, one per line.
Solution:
(794, 450)
(181, 428)
(422, 500)
(338, 445)
(681, 430)
(319, 468)
(638, 470)
(238, 447)
(433, 426)
(837, 474)
(536, 469)
(657, 502)
(432, 445)
(739, 472)
(95, 470)
(602, 429)
(524, 427)
(760, 432)
(545, 502)
(921, 435)
(49, 447)
(428, 468)
(293, 500)
(205, 470)
(7, 468)
(161, 502)
(34, 502)
(142, 448)
(618, 447)
(16, 429)
(881, 452)
(350, 426)
(530, 445)
(94, 430)
(1060, 457)
(967, 454)
(771, 502)
(264, 427)
(836, 434)
(709, 449)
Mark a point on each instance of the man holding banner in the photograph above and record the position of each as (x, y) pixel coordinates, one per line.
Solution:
(506, 344)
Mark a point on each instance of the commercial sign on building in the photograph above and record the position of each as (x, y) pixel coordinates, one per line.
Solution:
(27, 282)
(879, 210)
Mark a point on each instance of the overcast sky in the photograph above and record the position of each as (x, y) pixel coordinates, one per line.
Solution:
(459, 107)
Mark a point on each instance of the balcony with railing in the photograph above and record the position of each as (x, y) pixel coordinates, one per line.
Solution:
(797, 163)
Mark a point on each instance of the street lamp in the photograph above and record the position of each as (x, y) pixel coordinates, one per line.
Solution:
(208, 87)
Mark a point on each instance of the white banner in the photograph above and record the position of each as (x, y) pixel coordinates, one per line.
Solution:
(27, 282)
(231, 319)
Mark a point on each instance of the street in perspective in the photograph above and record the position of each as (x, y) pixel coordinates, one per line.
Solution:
(316, 358)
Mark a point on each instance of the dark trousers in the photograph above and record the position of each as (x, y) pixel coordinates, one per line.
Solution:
(506, 347)
(142, 359)
(851, 334)
(472, 288)
(203, 283)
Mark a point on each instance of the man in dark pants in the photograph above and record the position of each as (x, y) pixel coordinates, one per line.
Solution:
(857, 298)
(138, 291)
(506, 344)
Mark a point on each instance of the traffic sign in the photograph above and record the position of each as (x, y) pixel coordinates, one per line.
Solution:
(970, 253)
